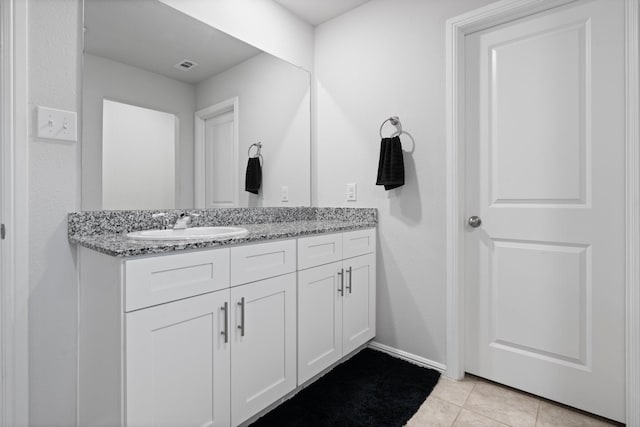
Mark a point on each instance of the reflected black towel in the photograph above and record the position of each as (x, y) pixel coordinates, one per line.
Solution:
(391, 164)
(253, 178)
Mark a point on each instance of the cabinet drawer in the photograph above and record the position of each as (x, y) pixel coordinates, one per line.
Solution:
(152, 281)
(256, 262)
(318, 250)
(358, 242)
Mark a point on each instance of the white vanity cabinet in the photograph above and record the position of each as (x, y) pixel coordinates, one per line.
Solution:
(212, 360)
(336, 298)
(212, 337)
(168, 341)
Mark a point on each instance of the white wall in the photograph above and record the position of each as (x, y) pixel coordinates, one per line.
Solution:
(387, 58)
(54, 180)
(273, 104)
(104, 78)
(261, 23)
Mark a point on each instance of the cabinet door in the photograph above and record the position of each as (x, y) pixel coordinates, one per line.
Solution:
(359, 302)
(319, 319)
(264, 344)
(177, 363)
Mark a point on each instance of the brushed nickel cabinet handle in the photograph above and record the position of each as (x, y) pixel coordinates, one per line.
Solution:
(225, 332)
(349, 270)
(241, 325)
(341, 288)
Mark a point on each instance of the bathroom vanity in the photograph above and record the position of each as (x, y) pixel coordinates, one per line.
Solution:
(212, 333)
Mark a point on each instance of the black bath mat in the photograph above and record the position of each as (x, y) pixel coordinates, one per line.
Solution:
(370, 389)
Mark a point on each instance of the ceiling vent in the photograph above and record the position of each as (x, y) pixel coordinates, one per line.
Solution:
(185, 65)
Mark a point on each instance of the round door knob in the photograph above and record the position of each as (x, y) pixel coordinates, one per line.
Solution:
(475, 221)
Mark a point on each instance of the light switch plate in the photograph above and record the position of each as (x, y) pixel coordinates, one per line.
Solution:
(57, 124)
(352, 195)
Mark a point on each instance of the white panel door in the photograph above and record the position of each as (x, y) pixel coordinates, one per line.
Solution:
(319, 319)
(359, 302)
(219, 161)
(177, 364)
(264, 344)
(545, 173)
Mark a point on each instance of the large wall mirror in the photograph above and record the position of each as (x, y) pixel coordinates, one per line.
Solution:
(173, 110)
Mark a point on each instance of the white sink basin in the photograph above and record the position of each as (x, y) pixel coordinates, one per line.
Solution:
(212, 233)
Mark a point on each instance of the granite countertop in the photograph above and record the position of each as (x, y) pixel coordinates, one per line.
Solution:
(118, 244)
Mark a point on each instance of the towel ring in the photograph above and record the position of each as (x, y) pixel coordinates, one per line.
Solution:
(258, 154)
(395, 121)
(258, 146)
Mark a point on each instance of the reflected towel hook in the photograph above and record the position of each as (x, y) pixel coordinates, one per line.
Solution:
(395, 121)
(258, 146)
(258, 154)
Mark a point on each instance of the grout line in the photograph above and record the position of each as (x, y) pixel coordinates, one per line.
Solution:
(539, 400)
(502, 388)
(489, 418)
(470, 391)
(457, 416)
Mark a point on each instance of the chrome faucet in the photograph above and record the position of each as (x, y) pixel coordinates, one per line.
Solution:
(184, 221)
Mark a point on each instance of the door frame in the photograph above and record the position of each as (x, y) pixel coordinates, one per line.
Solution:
(201, 116)
(456, 29)
(14, 285)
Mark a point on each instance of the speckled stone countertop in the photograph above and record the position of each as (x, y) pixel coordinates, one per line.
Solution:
(105, 231)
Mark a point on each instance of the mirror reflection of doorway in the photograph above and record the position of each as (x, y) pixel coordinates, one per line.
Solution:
(138, 157)
(219, 161)
(216, 156)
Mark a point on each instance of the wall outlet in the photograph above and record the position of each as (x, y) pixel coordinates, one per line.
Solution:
(285, 193)
(352, 195)
(57, 124)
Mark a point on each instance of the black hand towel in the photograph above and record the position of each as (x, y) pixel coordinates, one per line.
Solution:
(253, 178)
(391, 163)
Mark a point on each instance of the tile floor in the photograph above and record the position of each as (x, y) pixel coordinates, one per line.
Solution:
(477, 402)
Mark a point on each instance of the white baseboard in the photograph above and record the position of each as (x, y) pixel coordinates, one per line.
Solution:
(409, 357)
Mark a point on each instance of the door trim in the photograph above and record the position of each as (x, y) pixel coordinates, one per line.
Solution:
(633, 213)
(14, 283)
(201, 116)
(495, 14)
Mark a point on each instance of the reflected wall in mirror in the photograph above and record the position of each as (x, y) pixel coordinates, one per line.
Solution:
(147, 65)
(129, 134)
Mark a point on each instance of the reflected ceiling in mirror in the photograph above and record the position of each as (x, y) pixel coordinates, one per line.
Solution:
(224, 94)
